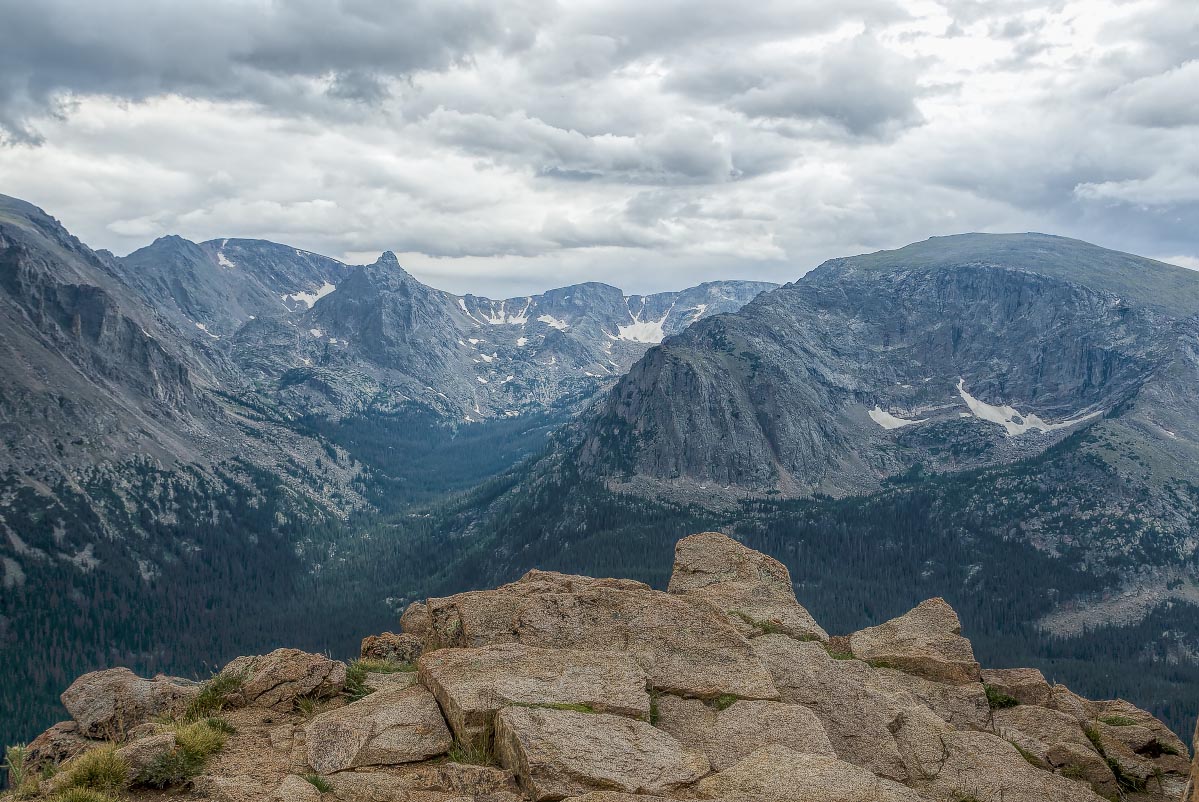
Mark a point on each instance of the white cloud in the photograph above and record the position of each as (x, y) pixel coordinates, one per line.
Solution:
(502, 149)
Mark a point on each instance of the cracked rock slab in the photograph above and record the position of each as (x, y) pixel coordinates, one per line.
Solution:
(560, 753)
(778, 774)
(730, 735)
(471, 685)
(387, 728)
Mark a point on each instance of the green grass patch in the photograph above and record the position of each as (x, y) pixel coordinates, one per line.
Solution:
(195, 743)
(1126, 781)
(215, 694)
(355, 687)
(98, 770)
(998, 700)
(655, 713)
(724, 701)
(319, 783)
(82, 795)
(1118, 721)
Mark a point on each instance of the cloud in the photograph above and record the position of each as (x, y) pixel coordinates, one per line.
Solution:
(857, 85)
(294, 52)
(501, 148)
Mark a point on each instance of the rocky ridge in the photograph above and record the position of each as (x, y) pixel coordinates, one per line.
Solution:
(604, 690)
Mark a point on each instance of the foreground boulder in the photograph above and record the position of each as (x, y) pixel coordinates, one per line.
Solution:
(604, 690)
(1058, 742)
(776, 774)
(278, 679)
(926, 641)
(754, 590)
(471, 685)
(856, 717)
(688, 649)
(387, 728)
(557, 753)
(949, 764)
(107, 704)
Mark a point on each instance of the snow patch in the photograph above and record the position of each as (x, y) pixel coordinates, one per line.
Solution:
(1014, 422)
(225, 261)
(480, 380)
(553, 322)
(310, 298)
(889, 421)
(521, 342)
(644, 331)
(502, 318)
(204, 329)
(316, 332)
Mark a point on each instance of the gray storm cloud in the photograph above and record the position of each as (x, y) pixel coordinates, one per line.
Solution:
(517, 145)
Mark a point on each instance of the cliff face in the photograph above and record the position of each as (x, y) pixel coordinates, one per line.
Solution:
(871, 366)
(603, 690)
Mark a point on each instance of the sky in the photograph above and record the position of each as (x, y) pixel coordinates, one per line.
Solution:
(505, 148)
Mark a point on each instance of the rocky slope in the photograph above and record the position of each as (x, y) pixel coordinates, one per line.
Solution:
(603, 690)
(189, 429)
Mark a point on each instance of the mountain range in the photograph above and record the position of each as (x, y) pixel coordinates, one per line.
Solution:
(213, 448)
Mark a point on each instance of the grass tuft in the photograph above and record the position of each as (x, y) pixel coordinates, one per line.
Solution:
(98, 770)
(1126, 781)
(82, 795)
(384, 666)
(306, 706)
(355, 687)
(194, 744)
(724, 701)
(1028, 756)
(214, 695)
(15, 765)
(655, 714)
(319, 783)
(998, 700)
(472, 755)
(1118, 721)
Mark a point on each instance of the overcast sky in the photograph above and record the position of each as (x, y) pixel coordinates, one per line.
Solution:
(652, 144)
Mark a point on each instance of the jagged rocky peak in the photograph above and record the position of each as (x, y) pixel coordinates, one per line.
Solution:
(606, 690)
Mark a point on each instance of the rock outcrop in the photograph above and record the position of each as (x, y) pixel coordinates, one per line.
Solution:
(604, 690)
(106, 704)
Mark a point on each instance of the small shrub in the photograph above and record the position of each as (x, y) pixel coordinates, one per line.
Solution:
(998, 700)
(319, 783)
(98, 770)
(214, 695)
(724, 701)
(14, 764)
(1118, 721)
(655, 714)
(194, 744)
